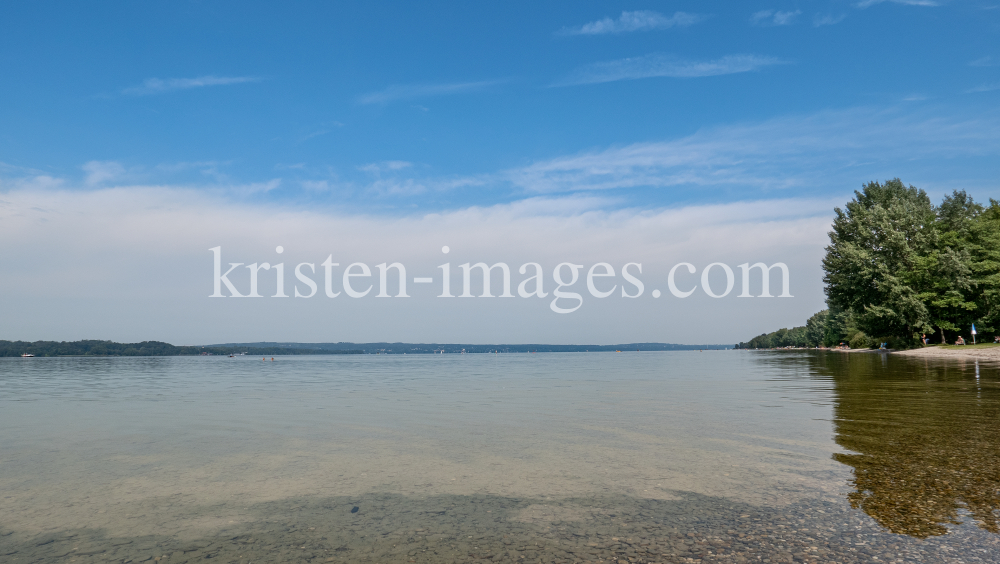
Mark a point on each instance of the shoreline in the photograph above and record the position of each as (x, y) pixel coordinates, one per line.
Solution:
(965, 352)
(958, 352)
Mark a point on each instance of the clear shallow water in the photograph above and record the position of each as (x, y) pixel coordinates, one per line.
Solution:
(648, 457)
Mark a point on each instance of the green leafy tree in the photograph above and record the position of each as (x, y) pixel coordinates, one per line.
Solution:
(794, 337)
(898, 266)
(944, 274)
(986, 266)
(837, 322)
(875, 246)
(816, 328)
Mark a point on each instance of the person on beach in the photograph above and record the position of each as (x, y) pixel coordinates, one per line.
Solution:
(960, 341)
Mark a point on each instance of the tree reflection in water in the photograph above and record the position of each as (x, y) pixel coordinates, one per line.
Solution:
(923, 438)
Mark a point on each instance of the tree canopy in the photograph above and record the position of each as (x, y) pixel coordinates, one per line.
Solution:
(899, 267)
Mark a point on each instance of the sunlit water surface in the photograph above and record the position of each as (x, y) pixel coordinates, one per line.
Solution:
(630, 457)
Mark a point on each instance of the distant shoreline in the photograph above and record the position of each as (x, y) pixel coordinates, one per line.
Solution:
(458, 348)
(95, 348)
(985, 351)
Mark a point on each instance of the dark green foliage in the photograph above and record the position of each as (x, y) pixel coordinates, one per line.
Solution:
(794, 337)
(840, 327)
(145, 348)
(946, 274)
(986, 266)
(875, 248)
(898, 267)
(816, 328)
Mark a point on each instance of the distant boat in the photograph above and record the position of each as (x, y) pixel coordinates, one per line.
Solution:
(27, 355)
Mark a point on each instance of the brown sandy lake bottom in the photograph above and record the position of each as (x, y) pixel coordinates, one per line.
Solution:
(719, 456)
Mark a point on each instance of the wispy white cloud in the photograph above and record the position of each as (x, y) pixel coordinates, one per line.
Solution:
(100, 172)
(789, 152)
(257, 187)
(397, 187)
(785, 18)
(640, 20)
(659, 64)
(408, 91)
(806, 153)
(562, 205)
(388, 182)
(190, 165)
(313, 134)
(378, 168)
(7, 168)
(206, 169)
(828, 19)
(983, 88)
(867, 3)
(986, 61)
(317, 130)
(161, 85)
(810, 154)
(316, 185)
(114, 173)
(31, 182)
(774, 17)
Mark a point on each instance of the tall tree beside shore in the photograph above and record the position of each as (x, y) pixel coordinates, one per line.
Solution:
(986, 266)
(898, 266)
(872, 261)
(949, 286)
(816, 328)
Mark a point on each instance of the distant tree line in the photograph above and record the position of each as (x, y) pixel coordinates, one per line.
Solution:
(812, 334)
(899, 267)
(145, 348)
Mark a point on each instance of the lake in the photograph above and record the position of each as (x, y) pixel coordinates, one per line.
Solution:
(714, 456)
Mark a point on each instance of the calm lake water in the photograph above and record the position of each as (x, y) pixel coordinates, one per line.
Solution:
(721, 456)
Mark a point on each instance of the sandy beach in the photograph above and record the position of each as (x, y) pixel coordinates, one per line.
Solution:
(978, 352)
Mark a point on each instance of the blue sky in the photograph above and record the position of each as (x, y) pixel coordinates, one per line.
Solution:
(402, 106)
(600, 123)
